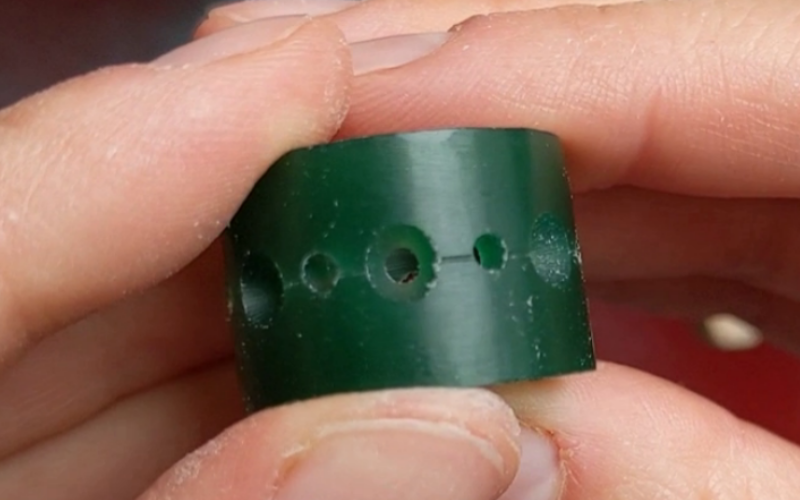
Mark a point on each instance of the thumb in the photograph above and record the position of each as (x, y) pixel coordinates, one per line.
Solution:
(623, 434)
(115, 180)
(421, 444)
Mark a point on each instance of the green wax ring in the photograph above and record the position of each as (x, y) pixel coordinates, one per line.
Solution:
(435, 258)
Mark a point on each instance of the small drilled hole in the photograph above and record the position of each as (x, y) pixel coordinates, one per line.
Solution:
(402, 266)
(320, 273)
(490, 252)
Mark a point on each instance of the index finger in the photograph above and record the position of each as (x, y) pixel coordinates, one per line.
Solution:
(114, 181)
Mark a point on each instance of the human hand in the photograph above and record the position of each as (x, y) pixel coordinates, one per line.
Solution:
(115, 358)
(97, 409)
(113, 367)
(679, 120)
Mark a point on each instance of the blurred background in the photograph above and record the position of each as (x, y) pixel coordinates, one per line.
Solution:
(47, 41)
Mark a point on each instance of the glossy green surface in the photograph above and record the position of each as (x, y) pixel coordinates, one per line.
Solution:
(443, 258)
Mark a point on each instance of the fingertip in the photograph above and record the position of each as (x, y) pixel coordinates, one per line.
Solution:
(305, 91)
(481, 413)
(186, 142)
(431, 444)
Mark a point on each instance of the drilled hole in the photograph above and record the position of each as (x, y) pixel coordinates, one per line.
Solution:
(320, 273)
(402, 266)
(401, 263)
(490, 252)
(260, 290)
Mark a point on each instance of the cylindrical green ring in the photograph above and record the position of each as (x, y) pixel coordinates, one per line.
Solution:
(496, 294)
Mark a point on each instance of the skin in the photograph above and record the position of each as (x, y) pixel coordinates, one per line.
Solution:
(112, 329)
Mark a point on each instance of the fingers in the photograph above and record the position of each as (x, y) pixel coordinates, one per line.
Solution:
(425, 444)
(141, 342)
(113, 181)
(637, 234)
(662, 95)
(626, 435)
(124, 448)
(684, 96)
(365, 20)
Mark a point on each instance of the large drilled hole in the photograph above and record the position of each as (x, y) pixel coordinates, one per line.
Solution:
(402, 266)
(320, 273)
(401, 263)
(260, 290)
(490, 252)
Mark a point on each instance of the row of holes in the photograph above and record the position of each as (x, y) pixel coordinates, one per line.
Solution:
(401, 265)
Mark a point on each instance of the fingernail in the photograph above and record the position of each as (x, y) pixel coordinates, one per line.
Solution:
(242, 12)
(237, 40)
(394, 51)
(539, 474)
(396, 459)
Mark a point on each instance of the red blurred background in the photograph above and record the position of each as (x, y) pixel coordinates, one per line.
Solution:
(760, 385)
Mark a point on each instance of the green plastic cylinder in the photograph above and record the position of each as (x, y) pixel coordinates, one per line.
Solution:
(434, 258)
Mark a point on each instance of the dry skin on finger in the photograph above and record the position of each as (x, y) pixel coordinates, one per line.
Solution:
(93, 168)
(430, 444)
